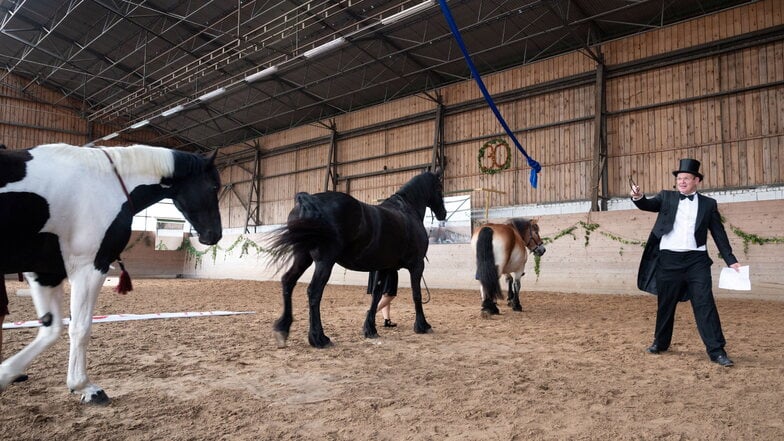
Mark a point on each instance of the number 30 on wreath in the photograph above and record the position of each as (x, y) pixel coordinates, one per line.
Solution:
(494, 156)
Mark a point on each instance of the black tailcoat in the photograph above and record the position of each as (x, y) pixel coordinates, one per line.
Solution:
(666, 204)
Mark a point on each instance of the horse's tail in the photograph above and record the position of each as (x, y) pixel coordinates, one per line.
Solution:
(305, 230)
(486, 268)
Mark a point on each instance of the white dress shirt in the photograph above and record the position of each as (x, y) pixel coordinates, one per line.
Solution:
(681, 238)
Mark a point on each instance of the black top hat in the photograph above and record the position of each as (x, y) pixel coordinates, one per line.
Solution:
(689, 165)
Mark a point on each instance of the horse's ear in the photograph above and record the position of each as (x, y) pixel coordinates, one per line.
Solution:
(439, 172)
(211, 158)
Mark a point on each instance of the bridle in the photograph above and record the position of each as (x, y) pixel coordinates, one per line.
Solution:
(530, 239)
(119, 178)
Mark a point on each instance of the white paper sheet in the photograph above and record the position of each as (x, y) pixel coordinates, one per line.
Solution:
(731, 279)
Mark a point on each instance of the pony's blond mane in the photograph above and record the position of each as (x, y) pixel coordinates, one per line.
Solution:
(134, 159)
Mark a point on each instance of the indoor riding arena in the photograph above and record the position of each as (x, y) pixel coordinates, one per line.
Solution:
(215, 286)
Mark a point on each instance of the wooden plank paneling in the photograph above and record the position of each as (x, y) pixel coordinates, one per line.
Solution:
(726, 110)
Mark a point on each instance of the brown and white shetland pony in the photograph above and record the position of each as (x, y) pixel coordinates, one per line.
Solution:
(502, 249)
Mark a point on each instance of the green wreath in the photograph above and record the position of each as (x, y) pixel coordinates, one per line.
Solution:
(495, 143)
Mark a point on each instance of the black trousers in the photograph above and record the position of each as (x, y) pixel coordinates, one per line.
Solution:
(686, 275)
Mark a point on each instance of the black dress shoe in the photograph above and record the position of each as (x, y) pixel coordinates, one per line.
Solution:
(723, 360)
(654, 349)
(389, 323)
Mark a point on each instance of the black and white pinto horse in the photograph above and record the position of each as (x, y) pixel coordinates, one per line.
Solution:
(332, 227)
(66, 212)
(502, 250)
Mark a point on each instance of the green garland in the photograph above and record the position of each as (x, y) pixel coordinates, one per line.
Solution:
(753, 238)
(560, 234)
(589, 228)
(481, 156)
(242, 242)
(246, 244)
(748, 238)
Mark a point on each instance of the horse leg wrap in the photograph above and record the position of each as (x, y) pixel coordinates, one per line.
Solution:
(46, 320)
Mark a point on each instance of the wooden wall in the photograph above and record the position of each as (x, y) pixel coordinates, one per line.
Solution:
(27, 119)
(706, 88)
(32, 115)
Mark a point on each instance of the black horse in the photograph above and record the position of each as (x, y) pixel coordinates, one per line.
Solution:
(332, 227)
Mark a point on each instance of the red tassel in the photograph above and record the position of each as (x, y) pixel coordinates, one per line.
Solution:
(124, 286)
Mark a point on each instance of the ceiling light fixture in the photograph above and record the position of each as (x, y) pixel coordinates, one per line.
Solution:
(326, 47)
(140, 124)
(111, 136)
(172, 111)
(405, 13)
(214, 94)
(261, 74)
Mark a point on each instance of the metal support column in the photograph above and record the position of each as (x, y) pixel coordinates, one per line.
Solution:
(438, 159)
(254, 198)
(598, 183)
(331, 174)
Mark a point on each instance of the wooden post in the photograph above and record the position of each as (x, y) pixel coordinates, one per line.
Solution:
(438, 138)
(599, 162)
(331, 174)
(254, 203)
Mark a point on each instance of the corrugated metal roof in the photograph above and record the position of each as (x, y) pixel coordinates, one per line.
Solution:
(125, 62)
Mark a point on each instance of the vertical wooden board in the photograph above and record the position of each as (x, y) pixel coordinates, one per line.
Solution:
(779, 110)
(778, 12)
(776, 158)
(776, 61)
(239, 211)
(315, 156)
(311, 181)
(283, 163)
(725, 28)
(279, 188)
(352, 149)
(660, 139)
(749, 73)
(732, 161)
(767, 66)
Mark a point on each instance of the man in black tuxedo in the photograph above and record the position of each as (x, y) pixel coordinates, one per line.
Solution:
(675, 265)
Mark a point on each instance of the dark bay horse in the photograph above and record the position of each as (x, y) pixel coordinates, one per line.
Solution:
(502, 249)
(66, 212)
(332, 227)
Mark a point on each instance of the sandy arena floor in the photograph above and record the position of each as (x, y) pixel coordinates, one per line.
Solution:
(568, 367)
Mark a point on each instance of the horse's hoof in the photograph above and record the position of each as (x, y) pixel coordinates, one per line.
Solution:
(280, 339)
(423, 329)
(517, 308)
(98, 398)
(320, 343)
(373, 335)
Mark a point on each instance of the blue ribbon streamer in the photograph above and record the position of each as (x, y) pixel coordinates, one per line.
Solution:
(535, 166)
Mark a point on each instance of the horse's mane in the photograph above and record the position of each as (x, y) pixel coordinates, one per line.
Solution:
(135, 159)
(520, 223)
(418, 188)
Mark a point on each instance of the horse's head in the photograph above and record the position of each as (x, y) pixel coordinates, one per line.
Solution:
(534, 239)
(436, 199)
(194, 190)
(529, 231)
